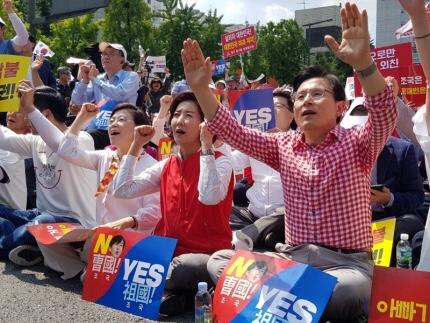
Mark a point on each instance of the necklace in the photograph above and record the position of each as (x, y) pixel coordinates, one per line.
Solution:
(113, 168)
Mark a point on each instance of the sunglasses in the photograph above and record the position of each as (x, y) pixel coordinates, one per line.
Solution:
(155, 82)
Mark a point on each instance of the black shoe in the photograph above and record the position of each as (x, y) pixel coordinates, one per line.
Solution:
(26, 255)
(173, 304)
(273, 238)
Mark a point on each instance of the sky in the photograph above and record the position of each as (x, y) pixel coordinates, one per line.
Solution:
(239, 11)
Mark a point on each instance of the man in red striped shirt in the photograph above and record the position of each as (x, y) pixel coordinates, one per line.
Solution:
(325, 169)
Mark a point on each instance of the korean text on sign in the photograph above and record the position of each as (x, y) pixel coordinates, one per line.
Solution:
(12, 70)
(239, 42)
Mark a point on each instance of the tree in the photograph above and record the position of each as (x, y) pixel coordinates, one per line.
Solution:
(284, 49)
(127, 22)
(180, 23)
(210, 35)
(71, 36)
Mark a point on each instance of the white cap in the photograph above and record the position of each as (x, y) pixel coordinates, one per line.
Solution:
(404, 236)
(203, 285)
(2, 22)
(349, 121)
(103, 45)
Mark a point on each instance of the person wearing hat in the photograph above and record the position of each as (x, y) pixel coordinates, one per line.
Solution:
(128, 66)
(220, 85)
(15, 45)
(157, 88)
(115, 84)
(232, 83)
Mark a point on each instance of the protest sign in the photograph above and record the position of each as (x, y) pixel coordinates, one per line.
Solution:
(260, 288)
(219, 67)
(412, 83)
(166, 147)
(383, 234)
(50, 233)
(252, 108)
(399, 295)
(102, 119)
(239, 42)
(157, 64)
(388, 59)
(13, 69)
(126, 272)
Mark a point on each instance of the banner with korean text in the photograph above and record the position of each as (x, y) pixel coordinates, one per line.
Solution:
(126, 272)
(260, 288)
(383, 235)
(388, 59)
(399, 295)
(412, 83)
(13, 69)
(51, 233)
(239, 42)
(252, 108)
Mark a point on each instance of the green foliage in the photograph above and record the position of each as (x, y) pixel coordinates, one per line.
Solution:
(179, 24)
(70, 37)
(283, 50)
(127, 22)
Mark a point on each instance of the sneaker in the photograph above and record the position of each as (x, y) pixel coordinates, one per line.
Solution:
(82, 276)
(26, 255)
(243, 240)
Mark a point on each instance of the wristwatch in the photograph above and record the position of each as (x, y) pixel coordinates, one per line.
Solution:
(367, 72)
(207, 152)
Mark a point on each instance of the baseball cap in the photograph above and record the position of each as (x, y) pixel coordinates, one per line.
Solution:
(103, 45)
(2, 22)
(349, 121)
(232, 78)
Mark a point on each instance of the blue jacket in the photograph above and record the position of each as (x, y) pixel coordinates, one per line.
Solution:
(397, 169)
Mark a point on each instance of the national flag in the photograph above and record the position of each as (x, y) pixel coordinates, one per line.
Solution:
(42, 48)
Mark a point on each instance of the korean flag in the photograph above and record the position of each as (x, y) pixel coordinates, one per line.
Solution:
(42, 48)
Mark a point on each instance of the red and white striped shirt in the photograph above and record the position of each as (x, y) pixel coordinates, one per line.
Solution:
(327, 187)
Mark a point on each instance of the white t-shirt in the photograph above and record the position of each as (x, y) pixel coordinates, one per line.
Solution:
(62, 188)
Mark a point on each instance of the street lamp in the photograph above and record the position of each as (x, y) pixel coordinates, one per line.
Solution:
(309, 25)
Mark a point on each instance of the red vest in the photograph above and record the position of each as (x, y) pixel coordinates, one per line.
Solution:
(199, 228)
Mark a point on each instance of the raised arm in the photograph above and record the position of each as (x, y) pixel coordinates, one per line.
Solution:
(355, 50)
(417, 12)
(21, 38)
(160, 119)
(215, 173)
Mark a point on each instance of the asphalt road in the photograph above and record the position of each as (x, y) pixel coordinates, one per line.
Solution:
(38, 294)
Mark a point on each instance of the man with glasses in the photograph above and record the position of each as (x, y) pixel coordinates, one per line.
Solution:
(16, 45)
(63, 85)
(115, 84)
(325, 169)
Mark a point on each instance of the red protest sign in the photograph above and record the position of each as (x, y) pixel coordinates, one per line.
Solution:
(388, 59)
(412, 84)
(239, 42)
(398, 295)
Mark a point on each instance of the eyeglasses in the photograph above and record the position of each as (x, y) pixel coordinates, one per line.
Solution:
(280, 106)
(110, 55)
(316, 94)
(66, 73)
(120, 120)
(155, 82)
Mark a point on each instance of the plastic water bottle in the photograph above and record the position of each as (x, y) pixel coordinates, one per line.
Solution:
(141, 51)
(404, 252)
(203, 304)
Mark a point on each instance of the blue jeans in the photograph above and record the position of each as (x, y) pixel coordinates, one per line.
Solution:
(13, 227)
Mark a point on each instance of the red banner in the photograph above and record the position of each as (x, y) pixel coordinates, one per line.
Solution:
(389, 60)
(399, 295)
(412, 84)
(239, 42)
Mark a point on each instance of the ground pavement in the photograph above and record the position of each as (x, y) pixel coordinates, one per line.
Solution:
(37, 294)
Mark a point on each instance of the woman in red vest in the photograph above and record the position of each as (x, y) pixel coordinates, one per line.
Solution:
(196, 190)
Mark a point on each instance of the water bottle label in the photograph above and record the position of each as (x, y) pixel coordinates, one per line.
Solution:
(199, 313)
